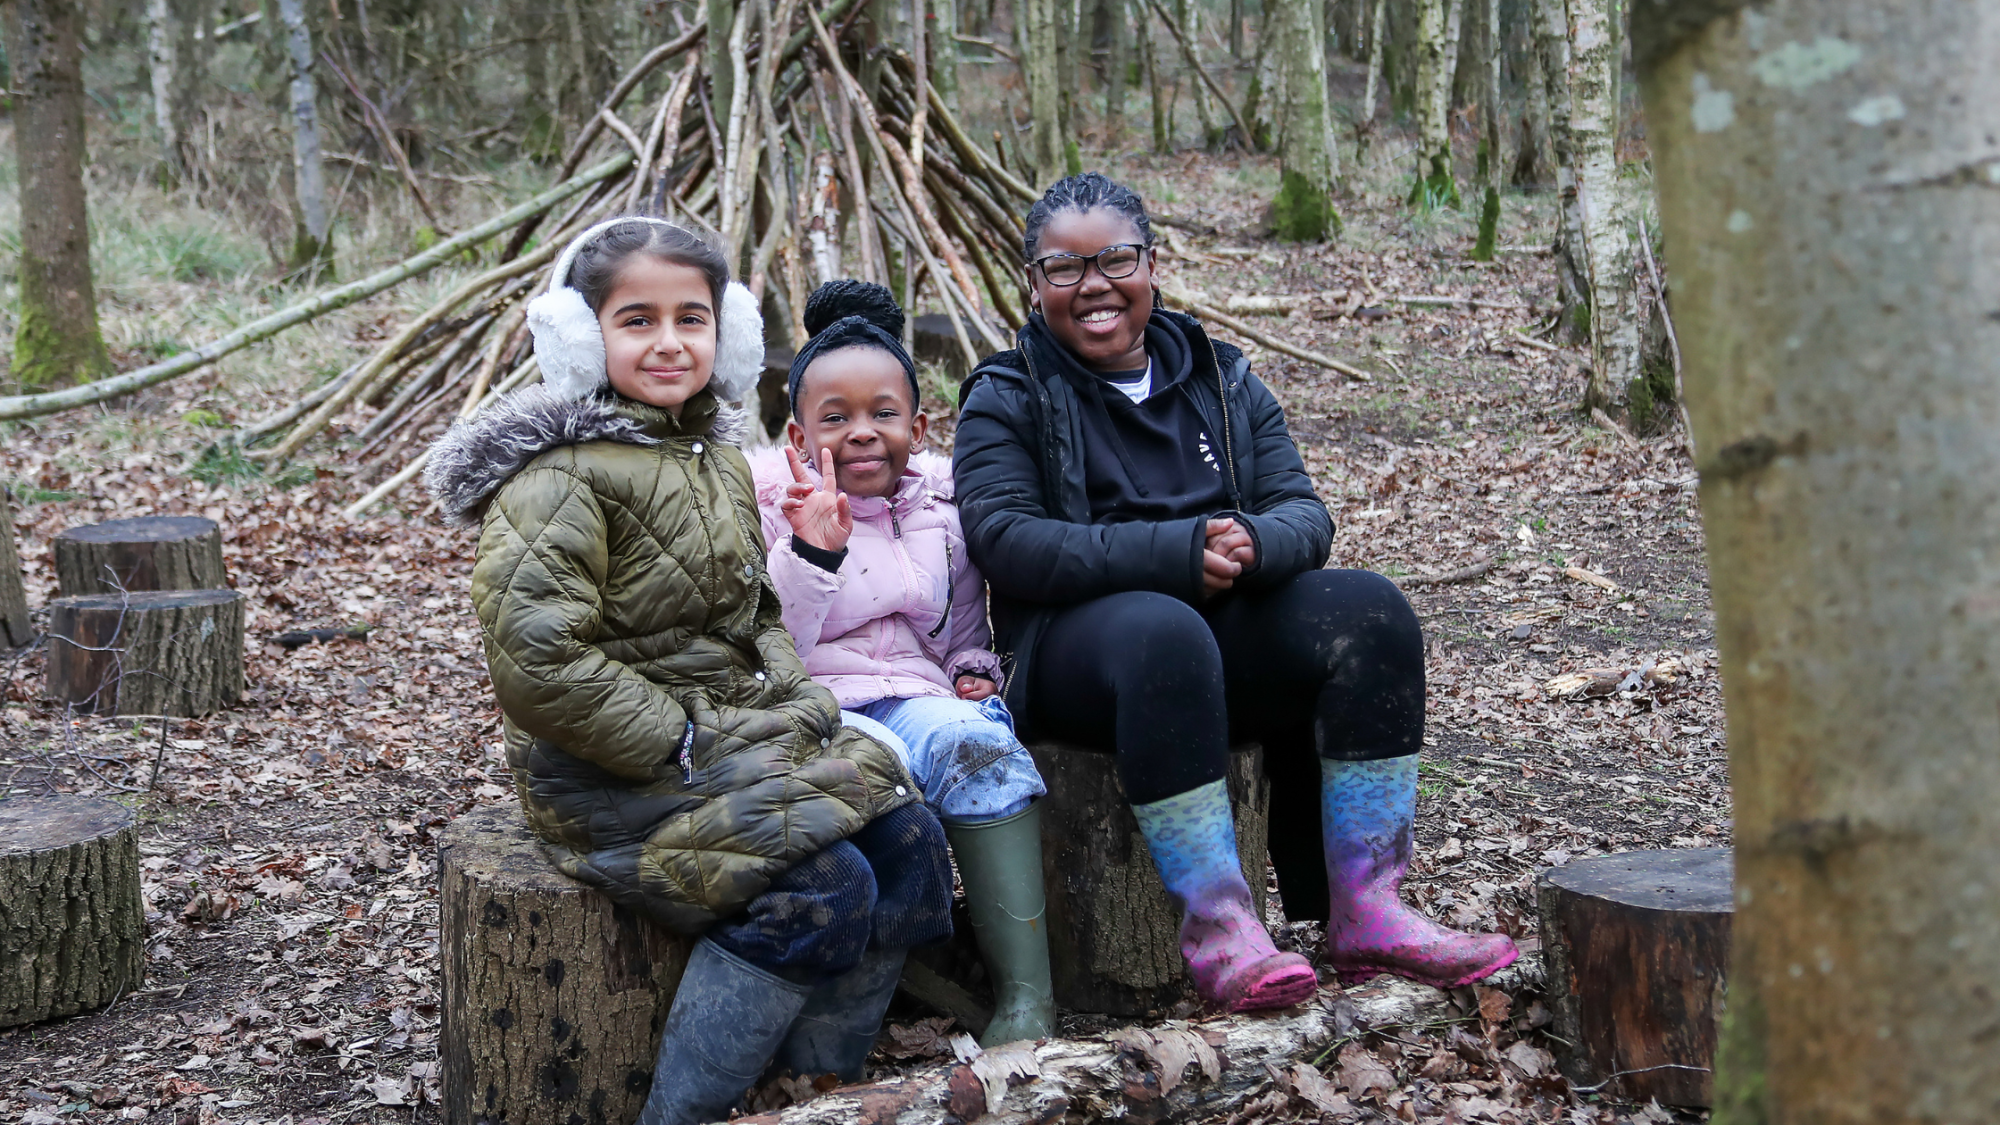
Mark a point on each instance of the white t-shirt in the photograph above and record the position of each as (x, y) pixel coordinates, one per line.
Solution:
(1140, 389)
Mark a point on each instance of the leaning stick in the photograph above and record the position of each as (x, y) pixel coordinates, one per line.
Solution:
(1210, 312)
(104, 390)
(625, 86)
(1187, 51)
(364, 382)
(887, 152)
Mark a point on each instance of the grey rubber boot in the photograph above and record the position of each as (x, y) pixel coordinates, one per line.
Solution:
(1000, 864)
(728, 1018)
(837, 1027)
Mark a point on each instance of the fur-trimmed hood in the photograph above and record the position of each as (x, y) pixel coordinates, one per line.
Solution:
(479, 454)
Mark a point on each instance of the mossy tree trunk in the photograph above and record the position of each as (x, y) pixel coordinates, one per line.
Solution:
(56, 339)
(1603, 203)
(1303, 211)
(312, 243)
(1822, 172)
(1149, 57)
(1435, 186)
(1534, 160)
(1551, 31)
(170, 57)
(1489, 141)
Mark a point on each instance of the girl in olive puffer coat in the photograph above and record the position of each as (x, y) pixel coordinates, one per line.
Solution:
(666, 742)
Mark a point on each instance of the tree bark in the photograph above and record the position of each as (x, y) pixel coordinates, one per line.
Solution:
(1534, 161)
(163, 652)
(1637, 949)
(1040, 68)
(1436, 184)
(1156, 94)
(1489, 142)
(1572, 275)
(15, 628)
(1368, 99)
(1114, 940)
(72, 922)
(312, 244)
(56, 339)
(1822, 170)
(163, 57)
(1303, 210)
(553, 997)
(147, 553)
(1609, 260)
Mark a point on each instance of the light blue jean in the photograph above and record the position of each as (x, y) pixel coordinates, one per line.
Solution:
(963, 754)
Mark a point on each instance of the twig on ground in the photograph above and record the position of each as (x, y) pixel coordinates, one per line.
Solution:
(1463, 574)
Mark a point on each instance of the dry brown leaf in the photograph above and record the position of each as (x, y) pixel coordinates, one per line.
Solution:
(1307, 1083)
(1493, 1004)
(1532, 1060)
(1362, 1074)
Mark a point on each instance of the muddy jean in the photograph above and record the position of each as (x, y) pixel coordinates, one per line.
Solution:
(1328, 663)
(887, 886)
(964, 754)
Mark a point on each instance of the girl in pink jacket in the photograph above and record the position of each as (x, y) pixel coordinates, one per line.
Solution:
(888, 611)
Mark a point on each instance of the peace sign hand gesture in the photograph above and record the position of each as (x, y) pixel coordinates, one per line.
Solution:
(820, 516)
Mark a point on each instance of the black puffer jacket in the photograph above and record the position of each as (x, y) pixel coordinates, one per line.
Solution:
(1018, 464)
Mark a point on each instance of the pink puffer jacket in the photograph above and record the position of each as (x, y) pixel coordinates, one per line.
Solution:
(905, 614)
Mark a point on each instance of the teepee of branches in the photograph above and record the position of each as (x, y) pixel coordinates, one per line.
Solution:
(805, 176)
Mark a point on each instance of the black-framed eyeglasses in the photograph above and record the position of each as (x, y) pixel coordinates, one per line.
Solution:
(1114, 262)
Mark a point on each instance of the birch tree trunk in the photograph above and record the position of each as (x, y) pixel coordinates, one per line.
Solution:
(944, 53)
(1534, 161)
(1039, 67)
(1604, 208)
(1825, 187)
(1435, 186)
(1572, 279)
(56, 339)
(163, 59)
(1188, 15)
(312, 244)
(1114, 69)
(1375, 29)
(1303, 211)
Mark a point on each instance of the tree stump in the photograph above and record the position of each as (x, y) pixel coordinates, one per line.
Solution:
(72, 924)
(1637, 950)
(14, 628)
(159, 652)
(1114, 940)
(553, 996)
(148, 553)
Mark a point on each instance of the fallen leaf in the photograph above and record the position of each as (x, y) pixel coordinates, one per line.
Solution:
(1362, 1074)
(1493, 1004)
(1308, 1084)
(922, 1039)
(388, 1091)
(1532, 1060)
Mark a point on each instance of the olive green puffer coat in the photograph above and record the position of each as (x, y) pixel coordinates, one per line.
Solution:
(666, 742)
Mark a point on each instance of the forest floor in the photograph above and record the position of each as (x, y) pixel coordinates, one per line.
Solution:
(289, 842)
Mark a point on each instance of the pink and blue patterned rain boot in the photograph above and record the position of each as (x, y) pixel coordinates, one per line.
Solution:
(1192, 838)
(1367, 810)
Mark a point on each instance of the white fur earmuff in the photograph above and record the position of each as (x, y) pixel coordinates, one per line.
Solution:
(570, 345)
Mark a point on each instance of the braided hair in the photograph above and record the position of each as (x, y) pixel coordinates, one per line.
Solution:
(852, 314)
(1086, 192)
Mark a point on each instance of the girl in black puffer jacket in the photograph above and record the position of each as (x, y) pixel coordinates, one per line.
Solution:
(1155, 551)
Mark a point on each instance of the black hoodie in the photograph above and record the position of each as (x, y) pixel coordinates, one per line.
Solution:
(1024, 453)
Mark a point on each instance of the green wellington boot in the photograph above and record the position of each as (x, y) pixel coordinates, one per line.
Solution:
(1000, 864)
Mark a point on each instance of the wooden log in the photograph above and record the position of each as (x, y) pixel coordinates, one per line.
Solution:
(156, 652)
(1114, 940)
(15, 629)
(72, 924)
(553, 997)
(1637, 950)
(148, 553)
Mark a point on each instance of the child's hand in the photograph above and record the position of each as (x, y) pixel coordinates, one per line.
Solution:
(1233, 541)
(973, 687)
(820, 516)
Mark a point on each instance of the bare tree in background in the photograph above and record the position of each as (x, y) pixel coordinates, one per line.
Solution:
(1041, 67)
(1304, 208)
(1436, 51)
(1823, 171)
(312, 244)
(1603, 203)
(56, 339)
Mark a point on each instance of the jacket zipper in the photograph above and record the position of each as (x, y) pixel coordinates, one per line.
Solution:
(1228, 448)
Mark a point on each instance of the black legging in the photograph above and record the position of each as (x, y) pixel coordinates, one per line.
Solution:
(1328, 663)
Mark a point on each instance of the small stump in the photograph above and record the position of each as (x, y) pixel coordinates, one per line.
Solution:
(1114, 939)
(553, 997)
(1637, 949)
(149, 553)
(160, 652)
(72, 924)
(14, 628)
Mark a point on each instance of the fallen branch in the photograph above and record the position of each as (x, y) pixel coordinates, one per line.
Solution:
(1524, 338)
(104, 390)
(1469, 302)
(1210, 312)
(1463, 574)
